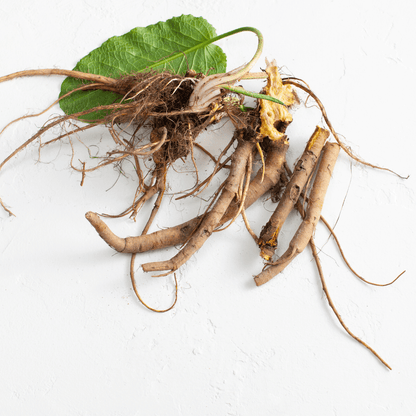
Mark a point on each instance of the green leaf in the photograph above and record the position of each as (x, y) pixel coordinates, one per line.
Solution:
(177, 45)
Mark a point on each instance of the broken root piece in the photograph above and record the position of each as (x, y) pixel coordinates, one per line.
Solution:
(303, 171)
(313, 213)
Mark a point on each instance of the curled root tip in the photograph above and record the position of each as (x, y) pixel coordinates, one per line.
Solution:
(133, 281)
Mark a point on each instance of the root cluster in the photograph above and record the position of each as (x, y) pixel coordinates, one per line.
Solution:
(159, 102)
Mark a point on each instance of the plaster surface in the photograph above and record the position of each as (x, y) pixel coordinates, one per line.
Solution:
(75, 341)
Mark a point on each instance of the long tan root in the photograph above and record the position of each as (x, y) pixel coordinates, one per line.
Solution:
(285, 181)
(213, 217)
(311, 242)
(178, 108)
(180, 234)
(313, 213)
(303, 171)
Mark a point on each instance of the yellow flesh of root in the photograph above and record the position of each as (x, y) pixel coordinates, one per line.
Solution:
(271, 112)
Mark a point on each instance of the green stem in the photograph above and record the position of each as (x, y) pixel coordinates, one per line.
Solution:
(240, 90)
(209, 41)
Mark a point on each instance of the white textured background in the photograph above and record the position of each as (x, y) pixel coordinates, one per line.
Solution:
(73, 338)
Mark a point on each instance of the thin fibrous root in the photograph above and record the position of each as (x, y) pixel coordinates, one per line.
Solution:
(160, 184)
(6, 209)
(204, 184)
(133, 282)
(325, 289)
(313, 213)
(331, 303)
(337, 242)
(347, 262)
(303, 170)
(81, 88)
(242, 193)
(249, 229)
(180, 234)
(64, 72)
(300, 84)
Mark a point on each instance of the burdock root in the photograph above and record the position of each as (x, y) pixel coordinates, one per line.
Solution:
(263, 182)
(303, 170)
(313, 213)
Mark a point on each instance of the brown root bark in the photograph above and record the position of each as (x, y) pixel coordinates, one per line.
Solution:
(212, 219)
(303, 171)
(299, 207)
(313, 213)
(311, 242)
(180, 234)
